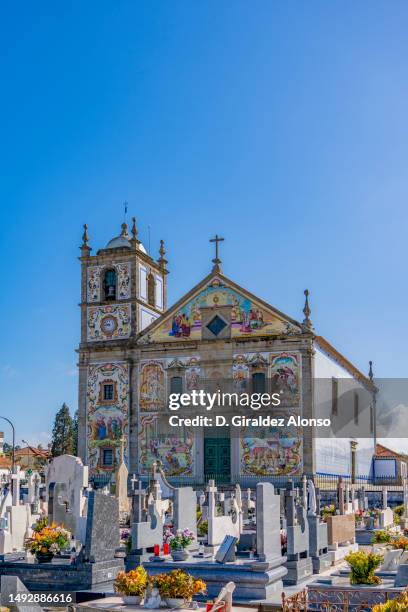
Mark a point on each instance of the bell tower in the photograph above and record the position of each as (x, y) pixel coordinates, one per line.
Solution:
(123, 290)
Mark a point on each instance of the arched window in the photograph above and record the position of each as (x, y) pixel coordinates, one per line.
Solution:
(176, 384)
(151, 290)
(258, 382)
(109, 285)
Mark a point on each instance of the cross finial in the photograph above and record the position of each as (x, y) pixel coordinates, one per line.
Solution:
(306, 311)
(162, 252)
(216, 261)
(370, 372)
(85, 239)
(134, 228)
(125, 209)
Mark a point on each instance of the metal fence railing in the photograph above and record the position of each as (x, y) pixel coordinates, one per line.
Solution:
(325, 482)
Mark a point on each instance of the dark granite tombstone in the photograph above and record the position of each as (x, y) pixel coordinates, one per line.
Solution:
(102, 527)
(96, 563)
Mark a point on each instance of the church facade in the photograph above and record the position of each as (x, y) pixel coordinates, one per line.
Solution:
(135, 352)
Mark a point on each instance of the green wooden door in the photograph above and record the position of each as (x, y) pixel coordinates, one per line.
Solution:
(217, 458)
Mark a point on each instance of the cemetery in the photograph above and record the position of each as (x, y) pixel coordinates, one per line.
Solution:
(152, 544)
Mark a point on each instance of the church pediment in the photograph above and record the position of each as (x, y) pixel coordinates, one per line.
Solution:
(219, 309)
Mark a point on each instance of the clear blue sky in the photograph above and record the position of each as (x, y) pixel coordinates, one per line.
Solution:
(282, 126)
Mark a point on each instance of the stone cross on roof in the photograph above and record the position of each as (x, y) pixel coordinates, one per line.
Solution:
(216, 261)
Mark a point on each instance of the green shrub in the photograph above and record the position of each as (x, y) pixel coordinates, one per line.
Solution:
(203, 528)
(363, 566)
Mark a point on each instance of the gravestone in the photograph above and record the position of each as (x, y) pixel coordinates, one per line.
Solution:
(248, 505)
(386, 515)
(341, 531)
(16, 525)
(268, 540)
(121, 485)
(348, 506)
(362, 499)
(66, 490)
(184, 511)
(299, 563)
(318, 547)
(102, 527)
(221, 526)
(184, 501)
(33, 495)
(147, 527)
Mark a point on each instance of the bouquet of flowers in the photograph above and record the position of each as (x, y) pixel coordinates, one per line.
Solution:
(126, 539)
(48, 539)
(329, 510)
(133, 583)
(178, 584)
(181, 540)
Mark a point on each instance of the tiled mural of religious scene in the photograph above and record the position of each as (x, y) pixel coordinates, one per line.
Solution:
(174, 450)
(248, 318)
(152, 389)
(107, 412)
(282, 369)
(271, 451)
(110, 322)
(285, 375)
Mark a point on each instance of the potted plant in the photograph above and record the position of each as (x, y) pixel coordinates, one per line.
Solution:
(47, 541)
(132, 585)
(178, 543)
(178, 587)
(363, 566)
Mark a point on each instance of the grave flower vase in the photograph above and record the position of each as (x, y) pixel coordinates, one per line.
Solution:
(45, 557)
(179, 554)
(132, 600)
(175, 602)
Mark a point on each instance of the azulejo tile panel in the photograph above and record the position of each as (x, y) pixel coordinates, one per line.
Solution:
(107, 420)
(94, 284)
(123, 282)
(271, 451)
(111, 322)
(156, 442)
(248, 317)
(95, 279)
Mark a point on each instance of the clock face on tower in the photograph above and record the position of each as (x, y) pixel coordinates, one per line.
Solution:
(111, 322)
(109, 325)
